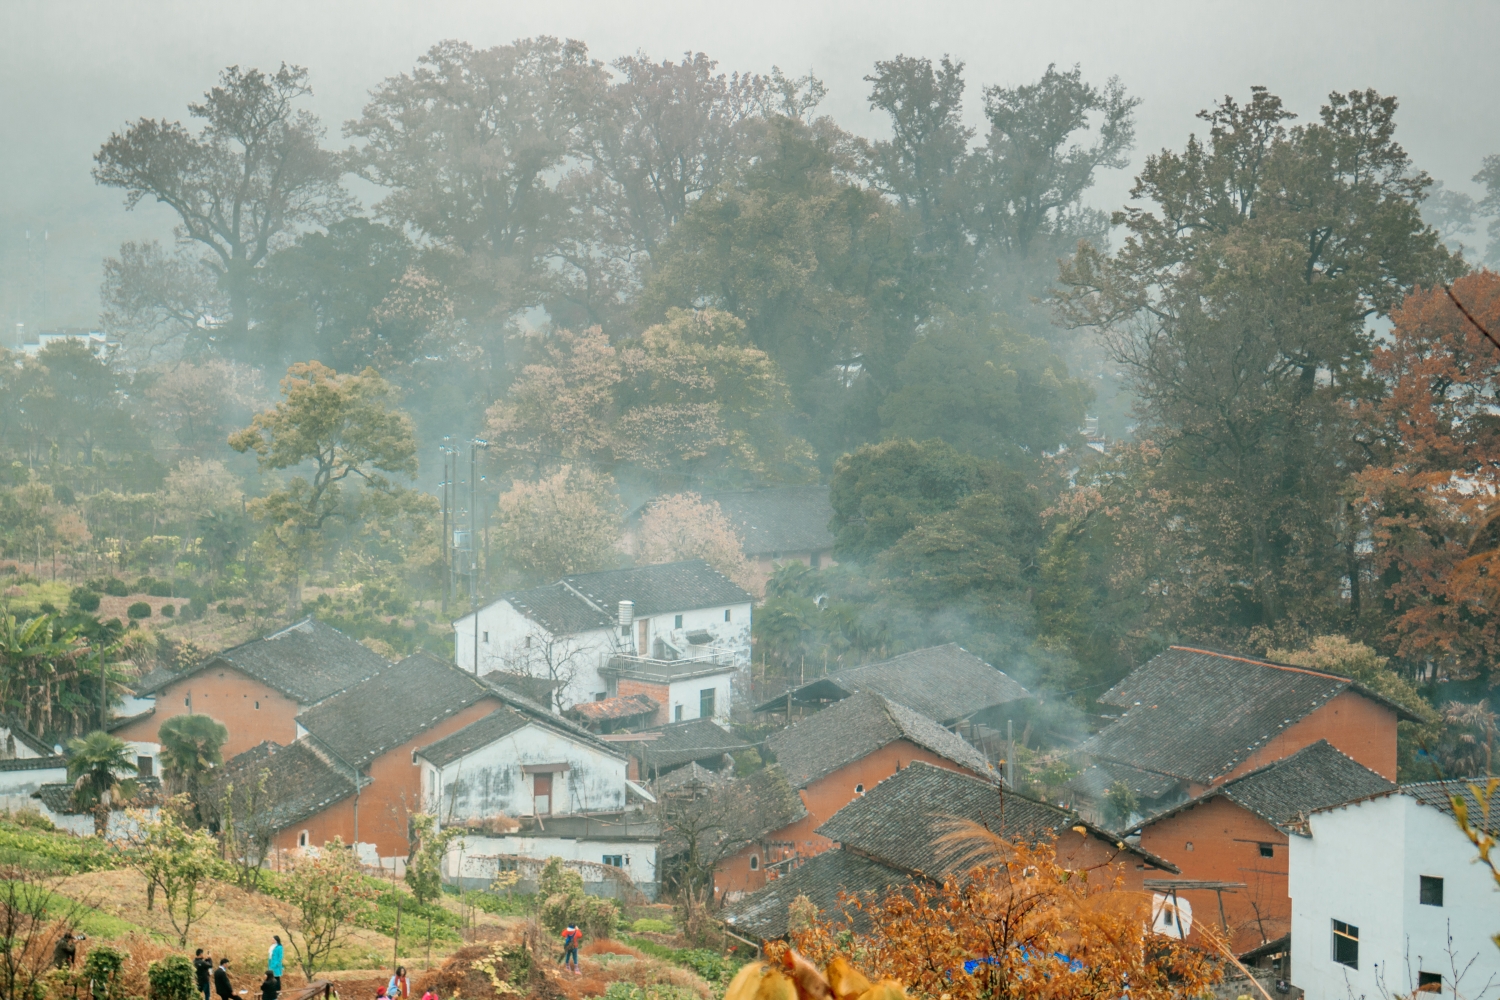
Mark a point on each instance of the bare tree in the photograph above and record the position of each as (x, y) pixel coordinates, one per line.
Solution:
(557, 658)
(33, 919)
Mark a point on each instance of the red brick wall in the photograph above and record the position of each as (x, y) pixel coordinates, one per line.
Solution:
(659, 693)
(393, 795)
(822, 799)
(1226, 843)
(230, 697)
(1361, 728)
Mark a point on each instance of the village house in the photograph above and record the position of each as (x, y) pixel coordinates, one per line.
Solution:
(893, 835)
(832, 758)
(55, 802)
(26, 764)
(370, 733)
(946, 683)
(533, 785)
(1196, 718)
(1238, 833)
(1387, 898)
(670, 632)
(256, 690)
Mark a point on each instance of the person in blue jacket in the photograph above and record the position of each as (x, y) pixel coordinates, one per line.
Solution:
(275, 961)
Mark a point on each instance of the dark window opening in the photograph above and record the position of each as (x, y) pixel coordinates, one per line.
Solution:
(541, 793)
(1346, 944)
(859, 789)
(257, 706)
(145, 767)
(302, 839)
(754, 863)
(677, 713)
(1431, 890)
(677, 622)
(1429, 982)
(486, 637)
(726, 614)
(614, 860)
(1268, 850)
(706, 703)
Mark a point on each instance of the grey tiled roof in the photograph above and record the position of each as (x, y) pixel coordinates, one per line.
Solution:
(1199, 714)
(779, 519)
(768, 803)
(902, 820)
(307, 662)
(946, 683)
(538, 689)
(763, 914)
(855, 728)
(300, 782)
(1438, 795)
(23, 736)
(1095, 781)
(475, 736)
(393, 706)
(1315, 777)
(58, 796)
(34, 763)
(679, 586)
(677, 743)
(558, 610)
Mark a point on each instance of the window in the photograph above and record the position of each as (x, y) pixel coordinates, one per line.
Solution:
(1429, 982)
(527, 642)
(624, 631)
(541, 793)
(1268, 850)
(486, 638)
(859, 789)
(302, 839)
(706, 703)
(817, 560)
(677, 713)
(257, 706)
(726, 614)
(755, 862)
(145, 767)
(1190, 845)
(1431, 891)
(614, 860)
(600, 695)
(677, 622)
(1346, 944)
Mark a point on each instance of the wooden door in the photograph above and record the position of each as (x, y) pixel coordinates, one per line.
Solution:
(541, 793)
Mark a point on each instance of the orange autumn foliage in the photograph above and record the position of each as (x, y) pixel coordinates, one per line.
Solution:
(1432, 494)
(1030, 928)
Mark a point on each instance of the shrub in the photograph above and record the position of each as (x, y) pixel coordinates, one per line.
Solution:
(223, 608)
(172, 979)
(115, 587)
(650, 925)
(564, 902)
(140, 609)
(102, 969)
(197, 607)
(168, 611)
(48, 608)
(30, 819)
(83, 599)
(159, 588)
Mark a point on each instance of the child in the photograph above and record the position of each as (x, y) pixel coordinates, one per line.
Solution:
(572, 937)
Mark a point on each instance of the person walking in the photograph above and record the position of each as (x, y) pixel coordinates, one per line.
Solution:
(203, 965)
(276, 960)
(222, 986)
(397, 988)
(572, 937)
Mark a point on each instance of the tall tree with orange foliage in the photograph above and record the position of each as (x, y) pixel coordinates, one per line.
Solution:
(1433, 494)
(1018, 926)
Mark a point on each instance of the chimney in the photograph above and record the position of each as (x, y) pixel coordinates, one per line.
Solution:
(627, 619)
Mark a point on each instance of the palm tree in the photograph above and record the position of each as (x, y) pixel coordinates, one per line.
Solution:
(95, 763)
(191, 746)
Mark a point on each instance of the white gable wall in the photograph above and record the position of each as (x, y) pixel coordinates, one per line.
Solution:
(688, 695)
(490, 781)
(1362, 866)
(511, 642)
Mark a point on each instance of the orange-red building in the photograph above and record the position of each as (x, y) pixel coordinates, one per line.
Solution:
(894, 834)
(1196, 721)
(352, 773)
(826, 761)
(1237, 832)
(256, 689)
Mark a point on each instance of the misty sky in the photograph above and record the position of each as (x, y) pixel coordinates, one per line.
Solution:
(71, 72)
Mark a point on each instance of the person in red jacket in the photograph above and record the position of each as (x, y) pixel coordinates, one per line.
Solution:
(572, 937)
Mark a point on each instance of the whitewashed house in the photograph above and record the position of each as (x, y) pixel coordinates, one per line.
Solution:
(26, 764)
(527, 786)
(1387, 899)
(685, 613)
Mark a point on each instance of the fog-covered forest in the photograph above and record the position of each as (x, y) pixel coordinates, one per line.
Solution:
(1245, 408)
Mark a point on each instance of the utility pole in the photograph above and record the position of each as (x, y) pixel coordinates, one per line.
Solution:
(474, 447)
(447, 505)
